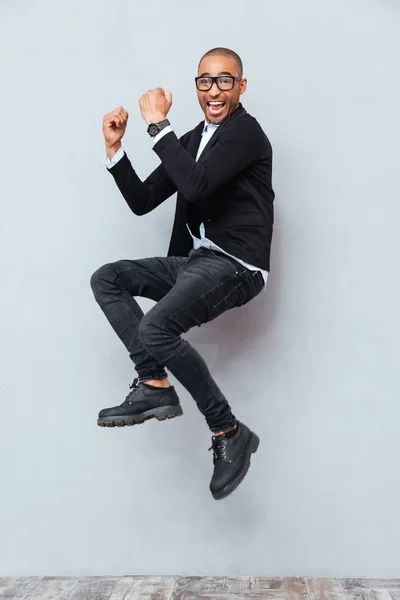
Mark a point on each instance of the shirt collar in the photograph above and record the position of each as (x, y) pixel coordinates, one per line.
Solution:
(209, 127)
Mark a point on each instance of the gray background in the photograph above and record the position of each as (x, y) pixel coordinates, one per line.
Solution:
(318, 352)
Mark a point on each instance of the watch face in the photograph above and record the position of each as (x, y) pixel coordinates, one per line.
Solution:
(153, 130)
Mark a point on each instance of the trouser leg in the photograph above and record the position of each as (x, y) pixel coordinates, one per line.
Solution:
(114, 286)
(207, 285)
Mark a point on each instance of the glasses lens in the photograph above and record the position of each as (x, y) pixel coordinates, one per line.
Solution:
(225, 83)
(204, 83)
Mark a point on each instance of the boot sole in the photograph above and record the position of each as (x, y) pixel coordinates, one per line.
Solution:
(252, 447)
(161, 414)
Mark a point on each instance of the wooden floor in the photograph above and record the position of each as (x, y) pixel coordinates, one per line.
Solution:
(192, 588)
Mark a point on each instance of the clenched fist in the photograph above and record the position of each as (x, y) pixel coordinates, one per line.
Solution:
(155, 104)
(114, 126)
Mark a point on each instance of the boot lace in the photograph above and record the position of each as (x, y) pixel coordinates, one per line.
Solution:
(218, 447)
(135, 387)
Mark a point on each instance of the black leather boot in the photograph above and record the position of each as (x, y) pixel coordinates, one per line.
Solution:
(231, 460)
(141, 404)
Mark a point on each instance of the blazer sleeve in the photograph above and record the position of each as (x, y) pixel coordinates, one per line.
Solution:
(236, 148)
(142, 196)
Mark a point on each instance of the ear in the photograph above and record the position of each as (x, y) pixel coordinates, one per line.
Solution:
(243, 86)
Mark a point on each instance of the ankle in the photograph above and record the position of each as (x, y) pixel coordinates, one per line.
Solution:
(161, 383)
(225, 431)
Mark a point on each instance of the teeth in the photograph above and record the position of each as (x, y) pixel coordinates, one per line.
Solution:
(215, 103)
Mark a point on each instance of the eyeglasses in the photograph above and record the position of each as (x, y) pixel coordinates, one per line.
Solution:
(223, 82)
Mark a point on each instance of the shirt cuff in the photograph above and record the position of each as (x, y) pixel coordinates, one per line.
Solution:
(161, 134)
(117, 156)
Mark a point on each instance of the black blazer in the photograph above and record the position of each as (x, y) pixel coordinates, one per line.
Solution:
(229, 189)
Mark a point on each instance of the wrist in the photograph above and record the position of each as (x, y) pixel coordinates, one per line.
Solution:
(113, 149)
(156, 118)
(155, 128)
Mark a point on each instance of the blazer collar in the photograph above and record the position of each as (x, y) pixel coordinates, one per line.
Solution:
(195, 138)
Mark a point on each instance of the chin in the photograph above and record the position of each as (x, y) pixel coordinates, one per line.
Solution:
(215, 120)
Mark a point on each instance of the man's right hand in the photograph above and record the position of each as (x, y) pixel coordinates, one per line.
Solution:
(114, 126)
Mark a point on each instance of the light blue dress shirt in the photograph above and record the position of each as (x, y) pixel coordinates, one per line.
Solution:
(208, 130)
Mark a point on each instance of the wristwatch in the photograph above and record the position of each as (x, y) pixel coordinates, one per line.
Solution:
(155, 128)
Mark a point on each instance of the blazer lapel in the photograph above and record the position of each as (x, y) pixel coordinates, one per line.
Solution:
(217, 133)
(195, 137)
(210, 143)
(194, 140)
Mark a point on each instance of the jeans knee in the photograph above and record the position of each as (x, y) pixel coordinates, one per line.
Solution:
(103, 276)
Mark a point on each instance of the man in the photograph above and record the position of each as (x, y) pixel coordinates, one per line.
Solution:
(218, 256)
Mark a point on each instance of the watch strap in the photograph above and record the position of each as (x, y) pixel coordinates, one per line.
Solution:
(155, 128)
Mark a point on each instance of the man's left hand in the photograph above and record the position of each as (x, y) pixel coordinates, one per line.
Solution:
(155, 104)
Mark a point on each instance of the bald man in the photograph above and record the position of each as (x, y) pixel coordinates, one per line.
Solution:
(218, 257)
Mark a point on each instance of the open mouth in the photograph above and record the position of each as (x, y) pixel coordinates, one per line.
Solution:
(215, 107)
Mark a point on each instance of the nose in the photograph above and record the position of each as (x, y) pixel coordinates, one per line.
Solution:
(214, 90)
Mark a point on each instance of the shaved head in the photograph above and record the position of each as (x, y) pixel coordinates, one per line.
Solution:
(228, 54)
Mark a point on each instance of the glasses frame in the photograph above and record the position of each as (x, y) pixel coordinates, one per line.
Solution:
(214, 80)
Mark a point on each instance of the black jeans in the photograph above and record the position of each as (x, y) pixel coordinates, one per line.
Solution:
(189, 291)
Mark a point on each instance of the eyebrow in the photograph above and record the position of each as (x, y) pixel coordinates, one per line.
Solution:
(220, 73)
